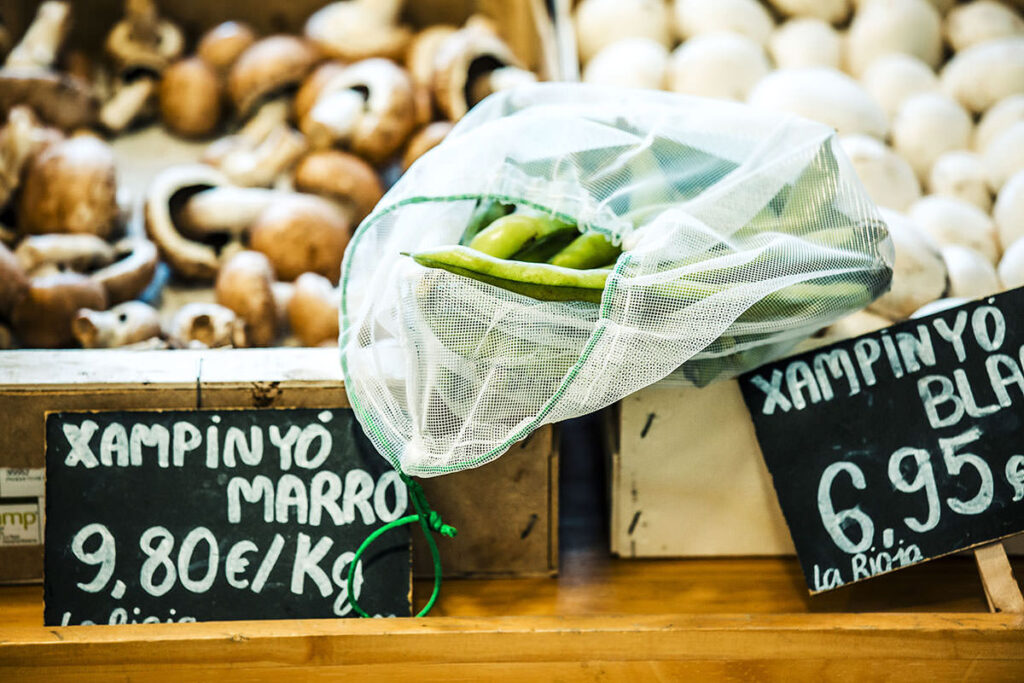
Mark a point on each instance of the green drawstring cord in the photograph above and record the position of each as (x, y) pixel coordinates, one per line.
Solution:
(431, 522)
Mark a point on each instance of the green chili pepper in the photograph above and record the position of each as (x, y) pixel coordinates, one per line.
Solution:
(589, 250)
(536, 280)
(486, 212)
(516, 232)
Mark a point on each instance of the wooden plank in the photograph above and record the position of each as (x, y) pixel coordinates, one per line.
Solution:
(485, 645)
(1001, 589)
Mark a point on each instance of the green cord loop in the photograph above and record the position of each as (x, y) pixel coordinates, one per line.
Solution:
(430, 521)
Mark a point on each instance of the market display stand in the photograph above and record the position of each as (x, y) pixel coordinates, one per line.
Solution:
(743, 618)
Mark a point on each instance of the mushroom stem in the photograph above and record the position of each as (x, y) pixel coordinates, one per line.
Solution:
(126, 103)
(144, 20)
(226, 209)
(268, 117)
(42, 40)
(504, 78)
(263, 163)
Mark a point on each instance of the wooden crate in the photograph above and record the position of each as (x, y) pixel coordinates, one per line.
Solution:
(507, 511)
(688, 479)
(522, 484)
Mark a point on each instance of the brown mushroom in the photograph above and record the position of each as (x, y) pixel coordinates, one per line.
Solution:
(429, 137)
(205, 325)
(245, 285)
(465, 56)
(71, 186)
(309, 92)
(132, 271)
(20, 139)
(190, 98)
(28, 77)
(313, 310)
(59, 252)
(127, 323)
(141, 46)
(358, 29)
(265, 148)
(221, 45)
(13, 281)
(42, 318)
(302, 233)
(194, 256)
(343, 177)
(419, 60)
(368, 107)
(266, 67)
(6, 338)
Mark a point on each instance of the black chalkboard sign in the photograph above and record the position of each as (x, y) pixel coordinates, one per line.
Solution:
(898, 446)
(169, 516)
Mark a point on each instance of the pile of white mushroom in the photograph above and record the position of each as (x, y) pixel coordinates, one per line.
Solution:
(927, 98)
(307, 125)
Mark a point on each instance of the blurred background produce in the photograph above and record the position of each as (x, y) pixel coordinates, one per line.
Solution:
(173, 183)
(927, 98)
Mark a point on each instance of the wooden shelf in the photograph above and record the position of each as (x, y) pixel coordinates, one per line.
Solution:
(746, 618)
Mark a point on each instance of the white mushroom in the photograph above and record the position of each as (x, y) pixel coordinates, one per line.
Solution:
(630, 62)
(880, 27)
(856, 324)
(599, 23)
(724, 65)
(938, 306)
(1011, 267)
(928, 125)
(971, 275)
(918, 273)
(745, 17)
(982, 75)
(961, 174)
(1008, 211)
(893, 78)
(822, 94)
(948, 220)
(831, 11)
(975, 22)
(889, 180)
(1004, 155)
(997, 119)
(805, 42)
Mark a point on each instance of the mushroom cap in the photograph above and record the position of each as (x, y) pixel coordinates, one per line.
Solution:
(13, 281)
(302, 233)
(309, 92)
(71, 186)
(354, 30)
(127, 323)
(42, 319)
(207, 325)
(79, 252)
(245, 285)
(388, 113)
(58, 98)
(419, 60)
(342, 177)
(313, 310)
(429, 137)
(462, 57)
(221, 45)
(190, 97)
(128, 276)
(919, 273)
(129, 53)
(187, 257)
(268, 65)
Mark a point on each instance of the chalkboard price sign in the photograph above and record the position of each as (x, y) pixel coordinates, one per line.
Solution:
(901, 445)
(173, 516)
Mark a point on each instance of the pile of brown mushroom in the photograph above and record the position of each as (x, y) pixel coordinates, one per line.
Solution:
(307, 126)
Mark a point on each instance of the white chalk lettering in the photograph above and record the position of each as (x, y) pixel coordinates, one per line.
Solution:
(932, 400)
(307, 563)
(79, 438)
(954, 335)
(284, 444)
(799, 377)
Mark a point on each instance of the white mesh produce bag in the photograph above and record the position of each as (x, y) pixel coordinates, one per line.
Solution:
(743, 232)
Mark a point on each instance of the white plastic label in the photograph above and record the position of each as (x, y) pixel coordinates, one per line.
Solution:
(22, 482)
(20, 524)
